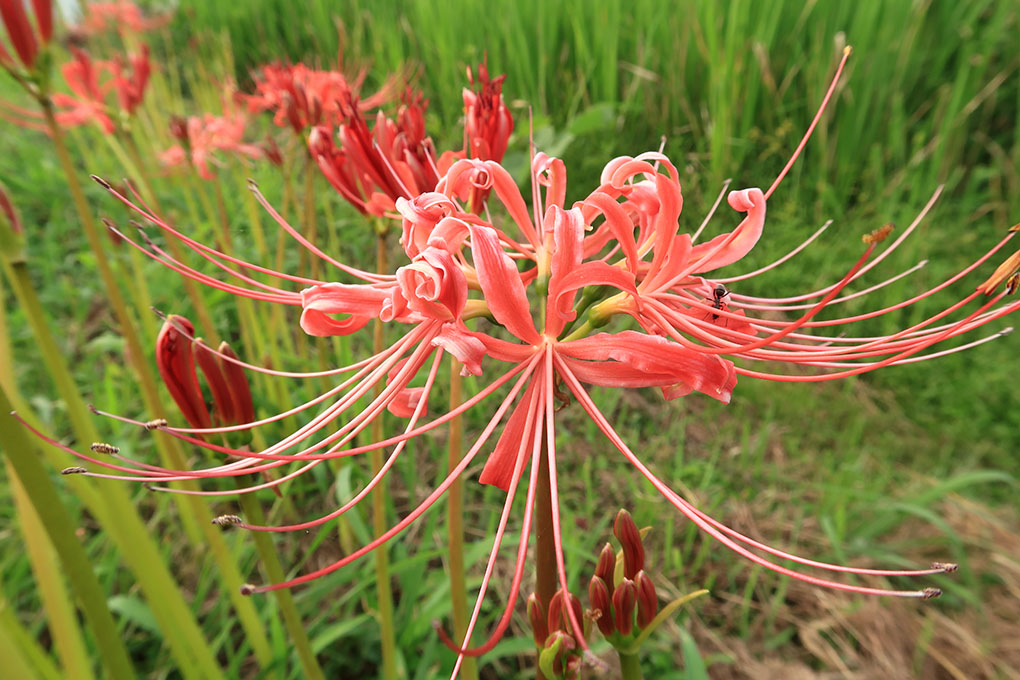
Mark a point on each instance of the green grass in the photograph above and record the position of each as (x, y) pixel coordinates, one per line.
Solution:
(865, 471)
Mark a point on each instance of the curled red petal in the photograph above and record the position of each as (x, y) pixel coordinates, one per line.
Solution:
(747, 233)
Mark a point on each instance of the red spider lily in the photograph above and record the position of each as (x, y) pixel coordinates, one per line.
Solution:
(91, 82)
(121, 16)
(371, 169)
(374, 168)
(488, 123)
(26, 41)
(302, 97)
(547, 265)
(202, 136)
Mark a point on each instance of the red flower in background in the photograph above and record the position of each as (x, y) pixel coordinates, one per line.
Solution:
(488, 123)
(26, 40)
(121, 16)
(372, 168)
(302, 97)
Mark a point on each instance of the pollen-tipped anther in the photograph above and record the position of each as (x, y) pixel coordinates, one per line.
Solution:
(248, 589)
(931, 593)
(879, 235)
(103, 447)
(226, 520)
(101, 182)
(73, 471)
(945, 567)
(156, 424)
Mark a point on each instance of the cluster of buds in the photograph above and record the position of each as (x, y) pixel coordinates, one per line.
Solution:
(624, 604)
(561, 654)
(176, 355)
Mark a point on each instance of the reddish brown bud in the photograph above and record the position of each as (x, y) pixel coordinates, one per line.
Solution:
(624, 603)
(179, 129)
(601, 603)
(647, 601)
(630, 539)
(536, 616)
(237, 383)
(223, 402)
(605, 569)
(176, 364)
(558, 618)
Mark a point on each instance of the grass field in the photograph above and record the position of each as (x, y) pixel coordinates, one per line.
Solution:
(902, 467)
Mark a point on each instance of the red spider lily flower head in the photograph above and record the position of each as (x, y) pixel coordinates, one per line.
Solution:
(91, 82)
(26, 41)
(121, 16)
(488, 123)
(373, 168)
(131, 87)
(522, 298)
(203, 136)
(302, 97)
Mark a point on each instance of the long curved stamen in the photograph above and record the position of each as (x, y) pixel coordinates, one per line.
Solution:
(414, 514)
(814, 122)
(535, 413)
(785, 258)
(711, 211)
(592, 410)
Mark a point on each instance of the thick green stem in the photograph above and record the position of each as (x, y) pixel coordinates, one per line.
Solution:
(455, 526)
(546, 583)
(23, 457)
(630, 667)
(382, 558)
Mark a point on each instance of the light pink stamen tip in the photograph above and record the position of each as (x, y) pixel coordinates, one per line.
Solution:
(947, 567)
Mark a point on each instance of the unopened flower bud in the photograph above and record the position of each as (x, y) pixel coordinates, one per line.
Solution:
(559, 618)
(605, 569)
(536, 616)
(601, 603)
(630, 539)
(237, 383)
(624, 603)
(556, 660)
(176, 363)
(179, 129)
(223, 402)
(647, 601)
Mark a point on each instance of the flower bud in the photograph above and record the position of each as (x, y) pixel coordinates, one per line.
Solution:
(237, 383)
(559, 618)
(647, 601)
(536, 616)
(605, 569)
(176, 364)
(624, 603)
(223, 403)
(630, 539)
(601, 604)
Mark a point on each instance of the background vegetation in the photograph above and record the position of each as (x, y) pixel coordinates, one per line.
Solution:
(908, 465)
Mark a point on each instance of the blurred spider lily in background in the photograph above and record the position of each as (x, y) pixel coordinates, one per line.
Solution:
(374, 168)
(536, 301)
(121, 16)
(91, 81)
